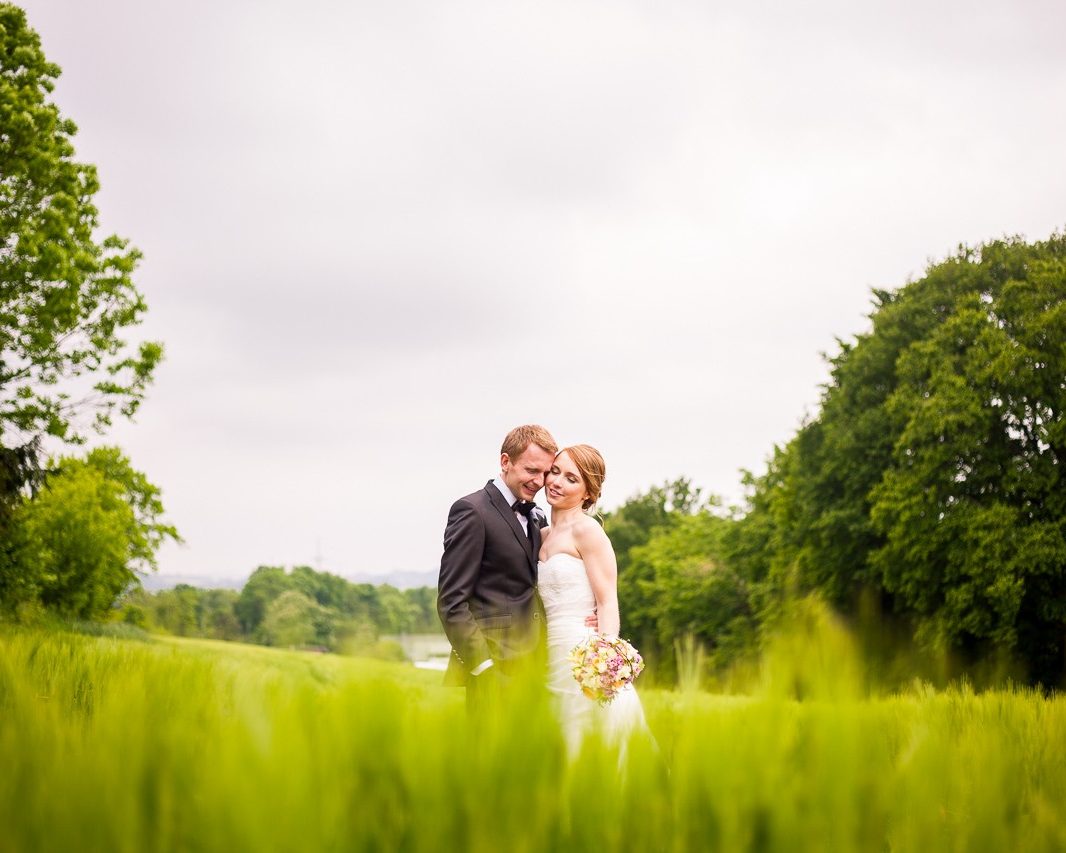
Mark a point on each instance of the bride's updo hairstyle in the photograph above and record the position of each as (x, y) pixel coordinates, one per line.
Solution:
(592, 468)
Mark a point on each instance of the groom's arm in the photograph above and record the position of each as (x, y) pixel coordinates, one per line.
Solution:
(464, 545)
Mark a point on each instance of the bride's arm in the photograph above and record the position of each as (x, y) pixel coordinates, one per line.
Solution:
(595, 549)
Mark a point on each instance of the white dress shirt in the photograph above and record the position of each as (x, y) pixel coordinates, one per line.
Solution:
(510, 498)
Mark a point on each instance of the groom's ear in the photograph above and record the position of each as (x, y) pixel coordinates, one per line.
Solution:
(504, 460)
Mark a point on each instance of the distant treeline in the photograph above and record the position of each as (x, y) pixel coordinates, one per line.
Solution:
(300, 608)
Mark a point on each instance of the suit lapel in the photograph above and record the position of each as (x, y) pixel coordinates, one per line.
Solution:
(511, 519)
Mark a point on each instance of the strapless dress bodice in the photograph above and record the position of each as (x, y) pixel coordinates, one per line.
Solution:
(567, 596)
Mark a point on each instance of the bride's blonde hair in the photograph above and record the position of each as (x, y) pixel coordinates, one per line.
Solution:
(592, 467)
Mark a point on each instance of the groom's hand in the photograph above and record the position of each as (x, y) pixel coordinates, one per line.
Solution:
(491, 682)
(488, 672)
(484, 692)
(592, 621)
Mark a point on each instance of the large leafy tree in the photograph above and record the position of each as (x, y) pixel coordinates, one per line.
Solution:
(933, 473)
(972, 507)
(66, 294)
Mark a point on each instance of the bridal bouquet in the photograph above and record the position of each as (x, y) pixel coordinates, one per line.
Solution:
(602, 666)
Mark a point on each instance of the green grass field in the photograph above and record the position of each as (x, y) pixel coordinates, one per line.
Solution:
(121, 745)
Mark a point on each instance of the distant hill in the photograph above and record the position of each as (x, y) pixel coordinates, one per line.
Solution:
(156, 582)
(400, 580)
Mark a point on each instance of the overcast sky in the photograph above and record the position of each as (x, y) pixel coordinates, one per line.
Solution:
(378, 235)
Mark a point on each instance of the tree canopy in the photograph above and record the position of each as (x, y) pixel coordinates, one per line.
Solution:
(66, 294)
(932, 474)
(77, 544)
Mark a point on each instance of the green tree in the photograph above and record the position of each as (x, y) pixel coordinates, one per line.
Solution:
(634, 522)
(399, 614)
(972, 507)
(632, 525)
(758, 545)
(327, 589)
(265, 584)
(143, 498)
(932, 474)
(66, 297)
(694, 592)
(176, 611)
(216, 616)
(293, 619)
(79, 542)
(423, 602)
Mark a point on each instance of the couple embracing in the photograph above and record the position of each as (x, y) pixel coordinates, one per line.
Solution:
(513, 586)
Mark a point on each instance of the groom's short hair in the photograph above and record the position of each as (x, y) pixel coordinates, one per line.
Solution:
(518, 439)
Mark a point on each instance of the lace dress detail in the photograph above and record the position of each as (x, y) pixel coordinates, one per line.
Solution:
(568, 599)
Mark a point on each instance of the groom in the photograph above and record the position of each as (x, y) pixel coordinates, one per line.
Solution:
(486, 596)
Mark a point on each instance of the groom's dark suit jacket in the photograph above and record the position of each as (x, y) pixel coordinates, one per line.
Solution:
(486, 596)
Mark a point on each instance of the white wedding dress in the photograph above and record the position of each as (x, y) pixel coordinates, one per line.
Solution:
(568, 599)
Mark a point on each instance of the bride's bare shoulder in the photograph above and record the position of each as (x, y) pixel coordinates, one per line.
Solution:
(588, 530)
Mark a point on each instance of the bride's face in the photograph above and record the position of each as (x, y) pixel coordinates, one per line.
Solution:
(563, 487)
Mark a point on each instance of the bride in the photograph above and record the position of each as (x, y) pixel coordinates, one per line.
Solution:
(578, 575)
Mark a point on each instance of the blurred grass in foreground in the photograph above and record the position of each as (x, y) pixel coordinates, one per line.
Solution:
(110, 744)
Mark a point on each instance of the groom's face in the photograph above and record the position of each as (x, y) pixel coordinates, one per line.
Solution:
(524, 476)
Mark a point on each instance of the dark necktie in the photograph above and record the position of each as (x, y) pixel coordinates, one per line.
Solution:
(525, 508)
